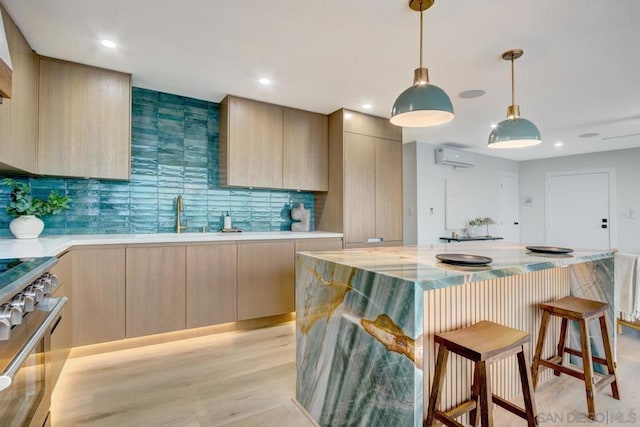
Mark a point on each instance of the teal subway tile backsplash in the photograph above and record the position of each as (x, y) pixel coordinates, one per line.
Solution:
(174, 150)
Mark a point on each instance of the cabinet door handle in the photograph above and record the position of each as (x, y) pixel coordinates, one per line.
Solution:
(55, 325)
(375, 239)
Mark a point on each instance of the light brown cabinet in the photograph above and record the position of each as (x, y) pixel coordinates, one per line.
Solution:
(265, 278)
(127, 291)
(61, 332)
(212, 284)
(84, 121)
(388, 164)
(269, 146)
(155, 301)
(364, 200)
(98, 295)
(250, 143)
(359, 187)
(19, 115)
(318, 245)
(305, 153)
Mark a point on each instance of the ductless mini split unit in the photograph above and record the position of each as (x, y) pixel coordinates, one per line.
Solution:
(453, 157)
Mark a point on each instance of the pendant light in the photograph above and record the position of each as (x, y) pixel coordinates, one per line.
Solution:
(423, 104)
(514, 132)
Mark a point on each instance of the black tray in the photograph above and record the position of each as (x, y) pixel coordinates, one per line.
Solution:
(549, 249)
(463, 259)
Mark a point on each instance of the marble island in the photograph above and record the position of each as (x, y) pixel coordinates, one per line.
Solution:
(366, 319)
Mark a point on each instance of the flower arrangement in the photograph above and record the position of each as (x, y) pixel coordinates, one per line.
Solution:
(476, 222)
(23, 203)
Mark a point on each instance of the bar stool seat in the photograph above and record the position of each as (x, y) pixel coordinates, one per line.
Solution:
(483, 343)
(580, 310)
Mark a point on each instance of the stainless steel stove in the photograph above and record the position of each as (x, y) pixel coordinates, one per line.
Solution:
(28, 316)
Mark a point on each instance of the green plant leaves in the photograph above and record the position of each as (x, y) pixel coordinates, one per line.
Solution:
(22, 203)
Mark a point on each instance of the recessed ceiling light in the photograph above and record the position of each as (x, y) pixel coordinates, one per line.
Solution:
(108, 43)
(494, 125)
(264, 81)
(366, 106)
(472, 93)
(558, 144)
(589, 135)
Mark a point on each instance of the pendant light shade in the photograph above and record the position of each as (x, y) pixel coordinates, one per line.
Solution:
(514, 132)
(422, 104)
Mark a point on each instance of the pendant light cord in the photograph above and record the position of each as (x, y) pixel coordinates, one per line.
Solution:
(513, 83)
(421, 11)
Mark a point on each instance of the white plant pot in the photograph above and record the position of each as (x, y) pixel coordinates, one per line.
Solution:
(26, 227)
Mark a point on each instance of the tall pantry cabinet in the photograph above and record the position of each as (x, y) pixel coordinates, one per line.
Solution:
(364, 200)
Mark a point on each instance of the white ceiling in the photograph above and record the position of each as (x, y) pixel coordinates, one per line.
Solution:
(579, 72)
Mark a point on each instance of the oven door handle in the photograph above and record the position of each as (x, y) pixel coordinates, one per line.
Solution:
(6, 377)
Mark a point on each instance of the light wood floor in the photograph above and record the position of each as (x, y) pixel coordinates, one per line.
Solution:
(248, 379)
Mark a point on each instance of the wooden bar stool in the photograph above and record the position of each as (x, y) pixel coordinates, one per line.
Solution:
(483, 343)
(581, 310)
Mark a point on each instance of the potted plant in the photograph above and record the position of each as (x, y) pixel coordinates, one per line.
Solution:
(471, 226)
(27, 209)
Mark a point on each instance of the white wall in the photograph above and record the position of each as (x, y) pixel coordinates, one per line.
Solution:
(626, 164)
(424, 191)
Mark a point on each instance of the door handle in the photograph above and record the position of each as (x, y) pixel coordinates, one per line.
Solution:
(516, 223)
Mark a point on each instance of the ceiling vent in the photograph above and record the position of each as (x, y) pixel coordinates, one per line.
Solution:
(453, 157)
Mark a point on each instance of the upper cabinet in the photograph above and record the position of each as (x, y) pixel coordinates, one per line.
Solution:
(19, 115)
(250, 143)
(305, 155)
(364, 200)
(269, 146)
(84, 121)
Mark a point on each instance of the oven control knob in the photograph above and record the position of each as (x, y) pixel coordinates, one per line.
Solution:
(5, 329)
(51, 279)
(43, 284)
(11, 313)
(34, 292)
(23, 302)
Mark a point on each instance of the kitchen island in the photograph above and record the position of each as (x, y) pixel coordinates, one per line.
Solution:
(366, 318)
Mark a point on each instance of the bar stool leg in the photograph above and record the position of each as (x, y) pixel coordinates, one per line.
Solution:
(539, 345)
(486, 400)
(527, 390)
(474, 420)
(588, 368)
(561, 343)
(609, 356)
(436, 387)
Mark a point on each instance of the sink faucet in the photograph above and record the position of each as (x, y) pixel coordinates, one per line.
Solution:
(179, 209)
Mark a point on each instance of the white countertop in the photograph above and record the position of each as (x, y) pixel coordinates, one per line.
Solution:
(54, 245)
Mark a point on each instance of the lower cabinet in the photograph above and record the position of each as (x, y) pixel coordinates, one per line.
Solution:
(265, 278)
(212, 284)
(98, 295)
(318, 245)
(132, 291)
(61, 338)
(155, 301)
(60, 343)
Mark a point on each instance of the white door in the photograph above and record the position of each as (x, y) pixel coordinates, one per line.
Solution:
(578, 210)
(509, 207)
